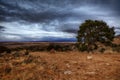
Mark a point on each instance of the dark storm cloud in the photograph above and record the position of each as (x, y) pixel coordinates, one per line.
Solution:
(2, 28)
(50, 17)
(8, 11)
(12, 12)
(69, 28)
(28, 10)
(70, 31)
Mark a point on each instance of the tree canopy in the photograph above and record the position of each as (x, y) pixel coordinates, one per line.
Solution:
(92, 31)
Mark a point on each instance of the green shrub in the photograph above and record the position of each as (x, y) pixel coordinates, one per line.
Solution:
(82, 47)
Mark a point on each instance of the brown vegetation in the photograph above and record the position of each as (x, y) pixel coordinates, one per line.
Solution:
(60, 66)
(57, 61)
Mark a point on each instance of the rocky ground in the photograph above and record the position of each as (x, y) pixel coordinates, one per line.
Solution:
(60, 66)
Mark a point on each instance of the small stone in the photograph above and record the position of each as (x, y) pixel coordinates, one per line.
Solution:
(40, 68)
(68, 72)
(74, 62)
(91, 73)
(89, 57)
(68, 65)
(108, 64)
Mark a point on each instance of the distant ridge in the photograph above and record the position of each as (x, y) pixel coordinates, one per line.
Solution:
(49, 40)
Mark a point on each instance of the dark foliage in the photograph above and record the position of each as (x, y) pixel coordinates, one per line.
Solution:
(35, 48)
(26, 52)
(54, 46)
(18, 48)
(102, 50)
(59, 47)
(116, 48)
(7, 69)
(92, 31)
(4, 49)
(29, 59)
(82, 47)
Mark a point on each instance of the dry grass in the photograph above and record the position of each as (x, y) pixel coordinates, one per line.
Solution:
(60, 66)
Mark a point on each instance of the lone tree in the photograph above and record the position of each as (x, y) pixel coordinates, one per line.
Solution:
(92, 31)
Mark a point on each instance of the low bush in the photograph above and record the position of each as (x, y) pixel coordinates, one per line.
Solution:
(26, 52)
(4, 49)
(54, 46)
(102, 50)
(29, 59)
(35, 48)
(82, 47)
(17, 54)
(57, 47)
(116, 48)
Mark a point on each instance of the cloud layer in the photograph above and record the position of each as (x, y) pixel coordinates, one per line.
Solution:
(42, 20)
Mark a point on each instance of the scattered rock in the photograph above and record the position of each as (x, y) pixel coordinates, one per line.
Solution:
(91, 73)
(74, 62)
(108, 64)
(68, 65)
(68, 72)
(89, 57)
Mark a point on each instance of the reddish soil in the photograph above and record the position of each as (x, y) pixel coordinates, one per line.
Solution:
(60, 66)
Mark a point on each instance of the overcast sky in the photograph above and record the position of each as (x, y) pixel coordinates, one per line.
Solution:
(50, 20)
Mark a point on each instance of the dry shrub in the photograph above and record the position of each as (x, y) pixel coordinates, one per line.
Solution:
(4, 49)
(26, 52)
(5, 69)
(29, 59)
(52, 51)
(17, 54)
